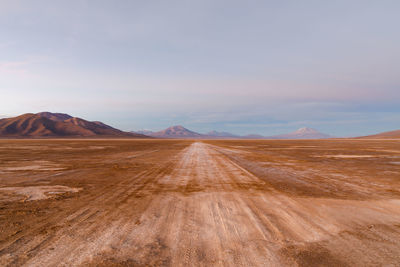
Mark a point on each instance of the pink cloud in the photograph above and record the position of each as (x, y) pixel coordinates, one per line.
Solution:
(14, 67)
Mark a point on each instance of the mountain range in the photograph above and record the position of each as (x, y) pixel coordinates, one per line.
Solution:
(177, 131)
(47, 124)
(181, 132)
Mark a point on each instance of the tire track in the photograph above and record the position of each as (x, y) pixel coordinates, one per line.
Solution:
(201, 208)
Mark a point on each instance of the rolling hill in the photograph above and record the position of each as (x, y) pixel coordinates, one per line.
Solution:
(46, 124)
(217, 134)
(385, 135)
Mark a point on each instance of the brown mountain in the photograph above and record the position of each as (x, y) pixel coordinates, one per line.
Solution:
(177, 132)
(46, 124)
(385, 135)
(55, 116)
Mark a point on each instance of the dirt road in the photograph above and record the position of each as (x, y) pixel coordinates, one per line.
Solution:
(198, 204)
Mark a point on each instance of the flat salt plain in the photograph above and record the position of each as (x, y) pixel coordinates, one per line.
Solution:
(199, 203)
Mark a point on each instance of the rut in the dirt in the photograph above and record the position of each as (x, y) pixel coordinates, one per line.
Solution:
(199, 207)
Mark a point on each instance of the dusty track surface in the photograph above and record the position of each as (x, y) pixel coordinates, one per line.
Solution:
(188, 203)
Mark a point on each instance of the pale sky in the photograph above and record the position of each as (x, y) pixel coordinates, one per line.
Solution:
(264, 67)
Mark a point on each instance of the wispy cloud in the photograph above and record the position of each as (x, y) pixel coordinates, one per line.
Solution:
(14, 67)
(268, 66)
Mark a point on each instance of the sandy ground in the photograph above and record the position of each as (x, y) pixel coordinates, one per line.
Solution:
(209, 203)
(39, 192)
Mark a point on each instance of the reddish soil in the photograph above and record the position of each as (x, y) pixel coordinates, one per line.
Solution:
(189, 203)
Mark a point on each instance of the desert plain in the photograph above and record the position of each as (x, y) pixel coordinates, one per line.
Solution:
(199, 202)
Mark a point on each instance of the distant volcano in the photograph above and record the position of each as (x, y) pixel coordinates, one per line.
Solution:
(302, 133)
